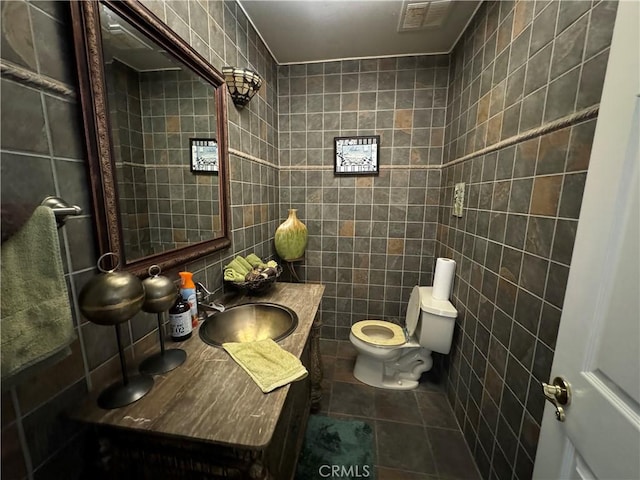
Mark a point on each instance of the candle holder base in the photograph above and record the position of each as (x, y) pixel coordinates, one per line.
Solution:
(120, 394)
(163, 362)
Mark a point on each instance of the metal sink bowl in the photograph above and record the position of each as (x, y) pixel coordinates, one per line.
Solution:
(249, 323)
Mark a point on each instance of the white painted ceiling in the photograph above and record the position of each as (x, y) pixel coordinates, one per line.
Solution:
(302, 31)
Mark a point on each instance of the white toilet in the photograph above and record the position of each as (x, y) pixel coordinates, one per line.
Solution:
(393, 357)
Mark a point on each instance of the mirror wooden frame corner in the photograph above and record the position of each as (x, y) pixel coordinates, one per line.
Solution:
(93, 99)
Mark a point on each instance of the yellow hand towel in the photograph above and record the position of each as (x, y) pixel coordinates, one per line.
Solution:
(267, 363)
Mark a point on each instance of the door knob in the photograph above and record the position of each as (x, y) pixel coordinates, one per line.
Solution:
(558, 393)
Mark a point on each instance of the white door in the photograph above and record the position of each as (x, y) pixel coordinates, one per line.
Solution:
(598, 342)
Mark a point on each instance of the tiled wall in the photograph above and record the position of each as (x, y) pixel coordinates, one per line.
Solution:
(153, 115)
(254, 208)
(371, 238)
(523, 64)
(519, 66)
(183, 206)
(42, 153)
(123, 90)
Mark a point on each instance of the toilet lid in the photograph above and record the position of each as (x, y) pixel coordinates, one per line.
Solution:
(378, 332)
(413, 311)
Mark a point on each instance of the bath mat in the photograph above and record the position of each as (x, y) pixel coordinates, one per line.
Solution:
(336, 449)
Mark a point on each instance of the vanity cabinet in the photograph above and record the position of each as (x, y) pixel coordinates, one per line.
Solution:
(207, 419)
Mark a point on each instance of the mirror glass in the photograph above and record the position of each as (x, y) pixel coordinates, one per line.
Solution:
(157, 107)
(154, 113)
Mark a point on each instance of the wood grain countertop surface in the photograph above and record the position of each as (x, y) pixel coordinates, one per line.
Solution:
(210, 398)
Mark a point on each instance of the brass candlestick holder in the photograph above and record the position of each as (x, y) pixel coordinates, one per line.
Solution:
(160, 295)
(112, 298)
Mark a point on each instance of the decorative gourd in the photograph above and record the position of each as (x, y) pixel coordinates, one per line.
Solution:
(291, 237)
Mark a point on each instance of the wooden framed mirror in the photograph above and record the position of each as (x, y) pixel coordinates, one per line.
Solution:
(153, 108)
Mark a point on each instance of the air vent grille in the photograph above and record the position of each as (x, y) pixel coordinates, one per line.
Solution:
(421, 15)
(414, 15)
(437, 13)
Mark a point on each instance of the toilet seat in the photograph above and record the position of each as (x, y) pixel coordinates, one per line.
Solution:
(379, 333)
(386, 334)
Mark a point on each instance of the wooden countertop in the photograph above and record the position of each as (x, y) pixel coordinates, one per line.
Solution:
(210, 398)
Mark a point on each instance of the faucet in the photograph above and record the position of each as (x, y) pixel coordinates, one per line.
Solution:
(202, 297)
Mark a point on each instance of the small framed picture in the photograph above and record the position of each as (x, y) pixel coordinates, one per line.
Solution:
(204, 155)
(357, 155)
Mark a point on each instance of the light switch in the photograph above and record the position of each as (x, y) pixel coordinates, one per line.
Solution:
(458, 199)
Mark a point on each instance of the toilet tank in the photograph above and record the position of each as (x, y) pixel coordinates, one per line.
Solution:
(437, 319)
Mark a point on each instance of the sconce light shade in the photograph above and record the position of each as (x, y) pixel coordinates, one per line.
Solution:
(242, 84)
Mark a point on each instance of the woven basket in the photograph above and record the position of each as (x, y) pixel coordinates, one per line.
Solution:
(258, 286)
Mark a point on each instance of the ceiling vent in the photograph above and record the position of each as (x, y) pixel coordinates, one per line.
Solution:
(422, 15)
(120, 33)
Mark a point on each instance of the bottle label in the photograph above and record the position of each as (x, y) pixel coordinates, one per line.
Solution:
(193, 304)
(180, 324)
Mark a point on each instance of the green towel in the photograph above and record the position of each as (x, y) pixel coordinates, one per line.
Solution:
(244, 263)
(254, 260)
(267, 363)
(231, 275)
(238, 266)
(35, 317)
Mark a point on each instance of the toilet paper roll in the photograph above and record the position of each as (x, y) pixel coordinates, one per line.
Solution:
(443, 278)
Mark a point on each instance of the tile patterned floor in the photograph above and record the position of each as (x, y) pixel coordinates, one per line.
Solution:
(416, 433)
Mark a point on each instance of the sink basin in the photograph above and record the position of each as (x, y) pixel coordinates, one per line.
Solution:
(249, 323)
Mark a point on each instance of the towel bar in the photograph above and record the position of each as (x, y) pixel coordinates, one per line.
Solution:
(61, 209)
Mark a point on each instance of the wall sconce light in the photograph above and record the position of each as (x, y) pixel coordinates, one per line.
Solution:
(242, 84)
